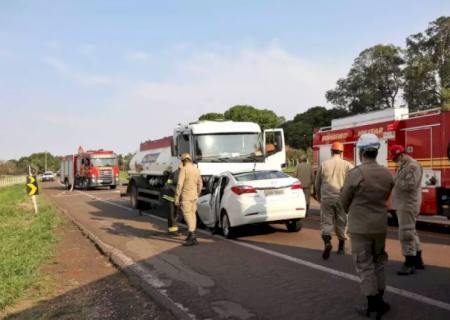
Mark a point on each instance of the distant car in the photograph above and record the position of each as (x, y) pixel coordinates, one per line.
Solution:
(266, 196)
(48, 176)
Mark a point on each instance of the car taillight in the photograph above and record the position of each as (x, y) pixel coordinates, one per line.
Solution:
(296, 185)
(243, 189)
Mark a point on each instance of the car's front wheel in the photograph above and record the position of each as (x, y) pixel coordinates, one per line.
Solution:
(294, 225)
(227, 230)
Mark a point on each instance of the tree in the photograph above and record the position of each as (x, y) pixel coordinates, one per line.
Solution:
(212, 116)
(372, 83)
(265, 118)
(427, 72)
(299, 131)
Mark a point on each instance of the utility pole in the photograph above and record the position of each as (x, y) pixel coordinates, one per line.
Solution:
(45, 165)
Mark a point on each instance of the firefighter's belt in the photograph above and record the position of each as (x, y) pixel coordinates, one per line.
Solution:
(168, 198)
(173, 229)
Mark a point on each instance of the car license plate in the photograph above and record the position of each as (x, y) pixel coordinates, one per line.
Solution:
(273, 192)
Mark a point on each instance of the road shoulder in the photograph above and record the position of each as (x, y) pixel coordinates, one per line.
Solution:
(79, 282)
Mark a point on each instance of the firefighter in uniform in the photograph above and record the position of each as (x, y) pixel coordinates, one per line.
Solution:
(188, 189)
(364, 197)
(169, 200)
(329, 181)
(305, 174)
(407, 198)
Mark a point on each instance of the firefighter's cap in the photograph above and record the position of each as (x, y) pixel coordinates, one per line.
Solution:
(186, 156)
(395, 150)
(368, 141)
(337, 146)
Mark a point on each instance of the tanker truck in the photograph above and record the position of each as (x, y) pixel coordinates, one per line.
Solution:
(216, 147)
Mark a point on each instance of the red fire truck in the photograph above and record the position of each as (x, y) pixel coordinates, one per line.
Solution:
(89, 169)
(425, 136)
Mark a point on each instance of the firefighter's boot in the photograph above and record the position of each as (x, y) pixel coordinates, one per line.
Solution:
(382, 305)
(191, 240)
(418, 262)
(327, 247)
(366, 309)
(341, 248)
(374, 304)
(408, 267)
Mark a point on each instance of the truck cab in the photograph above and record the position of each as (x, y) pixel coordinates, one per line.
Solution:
(235, 146)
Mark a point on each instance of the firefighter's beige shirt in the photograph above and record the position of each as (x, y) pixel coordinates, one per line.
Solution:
(189, 183)
(305, 174)
(330, 177)
(364, 197)
(407, 193)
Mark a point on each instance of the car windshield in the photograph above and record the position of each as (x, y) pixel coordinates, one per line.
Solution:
(224, 147)
(260, 175)
(48, 173)
(103, 162)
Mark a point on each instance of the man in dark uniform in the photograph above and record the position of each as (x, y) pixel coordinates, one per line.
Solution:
(168, 196)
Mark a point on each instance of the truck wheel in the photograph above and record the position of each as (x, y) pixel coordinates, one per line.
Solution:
(294, 225)
(135, 203)
(113, 187)
(85, 185)
(67, 184)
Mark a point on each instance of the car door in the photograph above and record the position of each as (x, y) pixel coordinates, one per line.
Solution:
(204, 203)
(215, 201)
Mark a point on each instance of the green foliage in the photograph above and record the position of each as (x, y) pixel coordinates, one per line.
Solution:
(27, 240)
(299, 131)
(212, 116)
(427, 74)
(372, 83)
(265, 118)
(35, 160)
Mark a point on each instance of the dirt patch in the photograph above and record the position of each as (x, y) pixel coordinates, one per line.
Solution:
(80, 283)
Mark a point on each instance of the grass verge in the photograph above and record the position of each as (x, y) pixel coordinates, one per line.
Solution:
(26, 239)
(123, 176)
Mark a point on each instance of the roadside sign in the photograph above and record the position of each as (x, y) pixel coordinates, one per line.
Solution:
(32, 186)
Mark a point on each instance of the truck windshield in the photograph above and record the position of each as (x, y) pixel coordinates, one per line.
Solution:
(228, 147)
(103, 162)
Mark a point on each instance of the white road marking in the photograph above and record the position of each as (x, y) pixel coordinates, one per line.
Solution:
(348, 276)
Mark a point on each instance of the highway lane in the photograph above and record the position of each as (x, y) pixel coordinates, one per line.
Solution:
(267, 273)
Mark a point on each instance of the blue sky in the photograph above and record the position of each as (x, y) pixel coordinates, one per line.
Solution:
(114, 73)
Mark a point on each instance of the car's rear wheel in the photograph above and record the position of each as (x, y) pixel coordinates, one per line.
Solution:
(294, 225)
(227, 230)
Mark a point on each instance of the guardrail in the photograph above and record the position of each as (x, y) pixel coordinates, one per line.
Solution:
(11, 180)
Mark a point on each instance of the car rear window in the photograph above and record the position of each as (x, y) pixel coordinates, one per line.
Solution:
(260, 175)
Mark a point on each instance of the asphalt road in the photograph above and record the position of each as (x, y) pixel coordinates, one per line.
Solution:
(267, 273)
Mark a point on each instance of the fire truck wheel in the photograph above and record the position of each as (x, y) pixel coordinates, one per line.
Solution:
(85, 184)
(113, 187)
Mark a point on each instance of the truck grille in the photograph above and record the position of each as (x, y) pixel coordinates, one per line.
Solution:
(106, 176)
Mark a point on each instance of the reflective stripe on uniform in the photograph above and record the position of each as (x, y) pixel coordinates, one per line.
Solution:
(173, 229)
(168, 198)
(170, 181)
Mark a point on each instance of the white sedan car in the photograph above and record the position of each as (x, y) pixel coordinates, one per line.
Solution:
(48, 176)
(235, 199)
